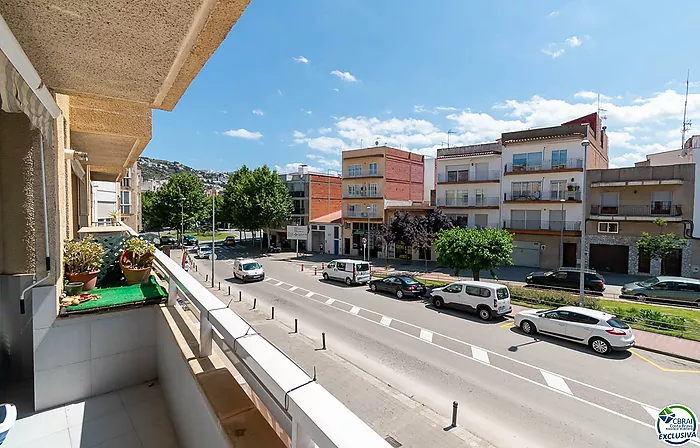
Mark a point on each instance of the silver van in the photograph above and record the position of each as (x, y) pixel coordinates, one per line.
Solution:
(349, 271)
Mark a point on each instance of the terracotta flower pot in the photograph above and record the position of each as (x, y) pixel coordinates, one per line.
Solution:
(136, 276)
(87, 278)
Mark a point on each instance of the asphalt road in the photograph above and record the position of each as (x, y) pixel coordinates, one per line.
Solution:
(514, 390)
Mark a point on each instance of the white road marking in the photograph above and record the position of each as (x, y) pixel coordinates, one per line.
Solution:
(480, 355)
(386, 321)
(426, 335)
(330, 301)
(279, 283)
(268, 279)
(556, 382)
(309, 294)
(652, 411)
(355, 310)
(293, 288)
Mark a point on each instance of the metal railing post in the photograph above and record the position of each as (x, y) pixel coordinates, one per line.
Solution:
(205, 334)
(172, 291)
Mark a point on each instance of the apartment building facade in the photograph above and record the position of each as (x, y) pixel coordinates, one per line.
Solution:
(468, 185)
(541, 189)
(130, 198)
(374, 179)
(625, 202)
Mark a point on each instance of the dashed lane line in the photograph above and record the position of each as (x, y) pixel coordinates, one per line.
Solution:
(330, 301)
(309, 294)
(293, 288)
(663, 369)
(480, 355)
(558, 382)
(279, 284)
(355, 310)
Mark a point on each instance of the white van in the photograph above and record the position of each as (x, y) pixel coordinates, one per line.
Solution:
(348, 271)
(487, 299)
(247, 269)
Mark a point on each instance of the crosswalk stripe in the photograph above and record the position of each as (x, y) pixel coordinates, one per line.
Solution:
(480, 355)
(355, 310)
(426, 335)
(293, 288)
(330, 301)
(386, 321)
(309, 294)
(651, 411)
(279, 283)
(556, 382)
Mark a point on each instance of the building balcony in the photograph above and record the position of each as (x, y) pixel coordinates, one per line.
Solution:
(661, 209)
(298, 194)
(363, 194)
(543, 227)
(542, 196)
(361, 214)
(544, 166)
(470, 178)
(363, 173)
(468, 202)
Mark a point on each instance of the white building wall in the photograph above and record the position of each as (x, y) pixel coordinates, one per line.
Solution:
(105, 199)
(696, 197)
(428, 177)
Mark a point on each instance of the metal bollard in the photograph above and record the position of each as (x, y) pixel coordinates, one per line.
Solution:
(302, 267)
(255, 302)
(296, 326)
(206, 279)
(219, 286)
(273, 313)
(240, 293)
(315, 271)
(229, 289)
(454, 414)
(323, 266)
(323, 337)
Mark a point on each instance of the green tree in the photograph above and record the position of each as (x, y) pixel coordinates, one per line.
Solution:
(180, 200)
(424, 229)
(474, 249)
(149, 213)
(661, 245)
(385, 236)
(257, 199)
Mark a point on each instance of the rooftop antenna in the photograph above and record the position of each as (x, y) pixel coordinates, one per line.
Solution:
(449, 132)
(361, 141)
(601, 112)
(686, 123)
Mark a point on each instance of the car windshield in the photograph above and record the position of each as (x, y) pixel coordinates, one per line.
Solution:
(651, 281)
(229, 238)
(363, 266)
(617, 323)
(251, 266)
(408, 280)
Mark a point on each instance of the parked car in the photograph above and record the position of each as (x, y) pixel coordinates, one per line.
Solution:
(487, 299)
(168, 240)
(204, 252)
(601, 331)
(190, 240)
(230, 241)
(349, 271)
(401, 285)
(247, 269)
(567, 278)
(679, 289)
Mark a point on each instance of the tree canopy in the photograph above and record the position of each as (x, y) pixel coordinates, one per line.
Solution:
(474, 249)
(661, 245)
(181, 199)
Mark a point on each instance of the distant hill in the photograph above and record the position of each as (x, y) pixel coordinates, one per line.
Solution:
(163, 169)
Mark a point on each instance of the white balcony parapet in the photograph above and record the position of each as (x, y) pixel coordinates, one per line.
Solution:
(311, 415)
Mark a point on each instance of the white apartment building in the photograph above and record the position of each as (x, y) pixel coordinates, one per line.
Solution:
(468, 184)
(541, 189)
(105, 201)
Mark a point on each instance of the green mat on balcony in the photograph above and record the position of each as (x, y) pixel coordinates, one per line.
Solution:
(110, 297)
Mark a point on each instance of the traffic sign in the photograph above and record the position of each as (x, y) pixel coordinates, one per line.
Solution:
(364, 241)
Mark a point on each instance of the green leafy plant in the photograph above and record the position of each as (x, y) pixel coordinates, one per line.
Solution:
(661, 245)
(549, 298)
(137, 253)
(474, 249)
(83, 255)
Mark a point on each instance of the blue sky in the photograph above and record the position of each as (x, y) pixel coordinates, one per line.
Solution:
(299, 81)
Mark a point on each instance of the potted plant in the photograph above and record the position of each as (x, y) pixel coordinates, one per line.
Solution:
(83, 260)
(136, 260)
(114, 217)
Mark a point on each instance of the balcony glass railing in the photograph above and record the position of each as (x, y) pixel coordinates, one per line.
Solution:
(364, 173)
(360, 214)
(544, 165)
(661, 208)
(363, 194)
(298, 403)
(468, 202)
(542, 196)
(471, 177)
(571, 226)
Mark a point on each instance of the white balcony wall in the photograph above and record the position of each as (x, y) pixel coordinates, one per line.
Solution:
(493, 169)
(545, 147)
(573, 210)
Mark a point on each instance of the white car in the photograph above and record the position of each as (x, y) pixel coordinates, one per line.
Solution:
(247, 269)
(603, 332)
(348, 271)
(204, 252)
(487, 299)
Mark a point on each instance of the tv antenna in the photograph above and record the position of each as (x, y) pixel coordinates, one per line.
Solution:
(449, 132)
(687, 124)
(601, 112)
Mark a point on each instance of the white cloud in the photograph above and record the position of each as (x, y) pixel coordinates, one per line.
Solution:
(418, 108)
(328, 163)
(627, 159)
(279, 92)
(552, 51)
(243, 133)
(445, 109)
(308, 112)
(345, 76)
(294, 167)
(324, 131)
(553, 14)
(301, 59)
(258, 112)
(574, 41)
(588, 95)
(298, 135)
(336, 89)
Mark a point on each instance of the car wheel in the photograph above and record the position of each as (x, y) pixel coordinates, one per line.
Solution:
(325, 276)
(348, 281)
(600, 345)
(484, 313)
(438, 302)
(528, 327)
(373, 287)
(399, 294)
(641, 297)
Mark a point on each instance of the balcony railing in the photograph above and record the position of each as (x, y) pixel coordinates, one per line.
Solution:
(298, 403)
(360, 214)
(470, 177)
(542, 196)
(567, 226)
(656, 209)
(364, 173)
(363, 194)
(297, 194)
(545, 165)
(125, 209)
(468, 202)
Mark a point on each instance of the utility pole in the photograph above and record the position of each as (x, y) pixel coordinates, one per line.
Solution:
(686, 123)
(213, 231)
(561, 234)
(581, 285)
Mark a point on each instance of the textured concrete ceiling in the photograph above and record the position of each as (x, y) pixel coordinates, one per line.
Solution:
(145, 51)
(103, 150)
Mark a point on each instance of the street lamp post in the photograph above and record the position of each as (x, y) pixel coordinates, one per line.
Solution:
(581, 285)
(367, 248)
(182, 221)
(561, 235)
(213, 230)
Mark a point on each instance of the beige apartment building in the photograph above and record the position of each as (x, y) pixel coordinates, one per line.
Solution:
(624, 202)
(130, 198)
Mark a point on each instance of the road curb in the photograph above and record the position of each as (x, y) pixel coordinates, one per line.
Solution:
(667, 353)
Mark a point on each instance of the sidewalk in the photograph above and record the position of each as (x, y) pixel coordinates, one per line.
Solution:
(389, 412)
